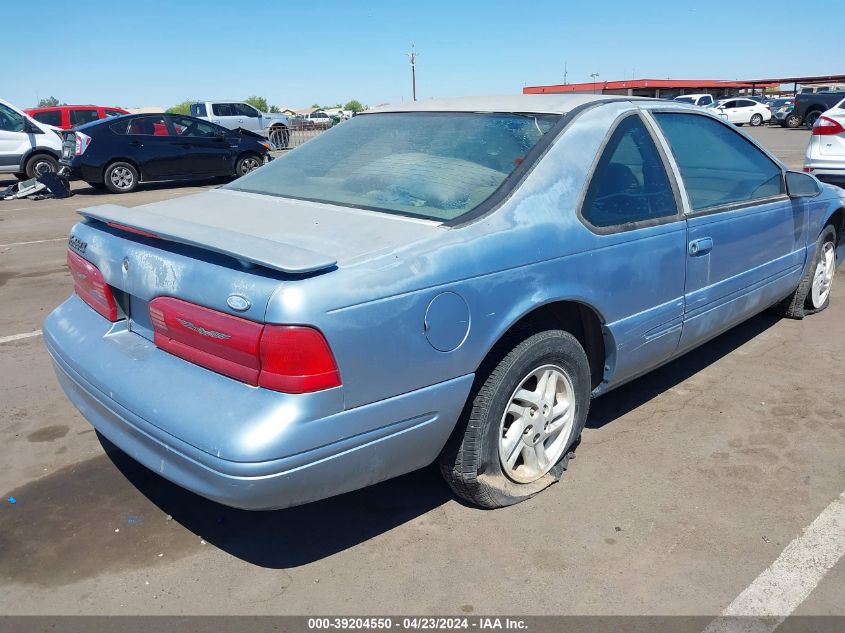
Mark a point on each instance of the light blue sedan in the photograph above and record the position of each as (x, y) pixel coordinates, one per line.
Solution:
(444, 280)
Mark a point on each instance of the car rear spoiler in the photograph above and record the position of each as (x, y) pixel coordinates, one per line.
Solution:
(247, 249)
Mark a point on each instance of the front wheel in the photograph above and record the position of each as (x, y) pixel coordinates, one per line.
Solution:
(280, 137)
(813, 293)
(793, 121)
(757, 120)
(40, 164)
(246, 164)
(517, 432)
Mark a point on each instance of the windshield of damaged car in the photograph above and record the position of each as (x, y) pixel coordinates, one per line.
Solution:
(432, 165)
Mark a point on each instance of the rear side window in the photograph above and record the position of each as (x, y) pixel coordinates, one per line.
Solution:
(731, 170)
(704, 101)
(198, 109)
(51, 117)
(111, 113)
(148, 126)
(629, 183)
(80, 117)
(223, 109)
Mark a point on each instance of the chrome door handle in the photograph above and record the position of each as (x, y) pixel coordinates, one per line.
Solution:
(701, 246)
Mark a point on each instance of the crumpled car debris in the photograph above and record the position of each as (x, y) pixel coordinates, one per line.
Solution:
(47, 185)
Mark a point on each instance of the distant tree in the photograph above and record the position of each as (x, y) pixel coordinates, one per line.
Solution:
(275, 109)
(354, 105)
(316, 105)
(180, 108)
(259, 103)
(49, 102)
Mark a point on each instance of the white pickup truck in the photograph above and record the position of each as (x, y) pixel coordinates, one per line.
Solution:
(236, 114)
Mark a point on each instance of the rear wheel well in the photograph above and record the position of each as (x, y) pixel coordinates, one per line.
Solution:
(576, 318)
(38, 150)
(837, 220)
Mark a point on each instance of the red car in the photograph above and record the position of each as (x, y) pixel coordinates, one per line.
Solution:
(68, 116)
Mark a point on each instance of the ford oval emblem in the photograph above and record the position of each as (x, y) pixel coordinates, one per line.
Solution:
(238, 303)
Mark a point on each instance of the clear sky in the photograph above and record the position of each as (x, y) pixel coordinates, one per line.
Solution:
(295, 53)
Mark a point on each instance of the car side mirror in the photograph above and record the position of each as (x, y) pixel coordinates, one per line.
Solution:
(30, 128)
(801, 185)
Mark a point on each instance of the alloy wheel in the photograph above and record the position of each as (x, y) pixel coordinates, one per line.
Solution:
(823, 276)
(122, 177)
(537, 424)
(248, 164)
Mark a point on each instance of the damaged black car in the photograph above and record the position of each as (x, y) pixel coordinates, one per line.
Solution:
(120, 153)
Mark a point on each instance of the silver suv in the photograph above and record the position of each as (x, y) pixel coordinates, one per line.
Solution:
(236, 114)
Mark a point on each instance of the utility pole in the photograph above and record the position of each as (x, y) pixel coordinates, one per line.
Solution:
(565, 73)
(412, 56)
(594, 76)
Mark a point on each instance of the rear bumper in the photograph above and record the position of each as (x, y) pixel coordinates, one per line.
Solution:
(396, 435)
(826, 168)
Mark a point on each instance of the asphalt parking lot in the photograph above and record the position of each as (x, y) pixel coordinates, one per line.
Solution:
(688, 484)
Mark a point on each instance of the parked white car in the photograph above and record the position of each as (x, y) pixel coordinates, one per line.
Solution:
(705, 99)
(740, 111)
(28, 148)
(236, 114)
(825, 156)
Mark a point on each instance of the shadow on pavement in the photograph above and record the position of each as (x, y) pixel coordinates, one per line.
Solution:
(294, 536)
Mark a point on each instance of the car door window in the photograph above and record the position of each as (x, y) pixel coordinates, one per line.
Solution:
(629, 183)
(80, 117)
(10, 121)
(112, 113)
(705, 101)
(148, 126)
(51, 117)
(185, 126)
(223, 109)
(198, 109)
(731, 170)
(729, 104)
(243, 109)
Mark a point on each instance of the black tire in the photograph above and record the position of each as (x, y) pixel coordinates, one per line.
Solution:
(792, 121)
(38, 164)
(800, 304)
(280, 136)
(811, 117)
(247, 163)
(756, 120)
(470, 461)
(121, 177)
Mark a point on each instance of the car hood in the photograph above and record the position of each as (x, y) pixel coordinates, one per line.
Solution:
(291, 236)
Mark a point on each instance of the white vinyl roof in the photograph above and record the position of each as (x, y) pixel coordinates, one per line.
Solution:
(544, 103)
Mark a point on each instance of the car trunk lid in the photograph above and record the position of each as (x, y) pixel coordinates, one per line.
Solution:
(285, 235)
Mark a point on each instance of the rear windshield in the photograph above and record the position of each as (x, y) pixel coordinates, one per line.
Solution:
(433, 165)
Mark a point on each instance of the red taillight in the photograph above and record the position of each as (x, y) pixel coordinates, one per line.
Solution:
(825, 126)
(296, 359)
(89, 284)
(289, 358)
(219, 341)
(82, 143)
